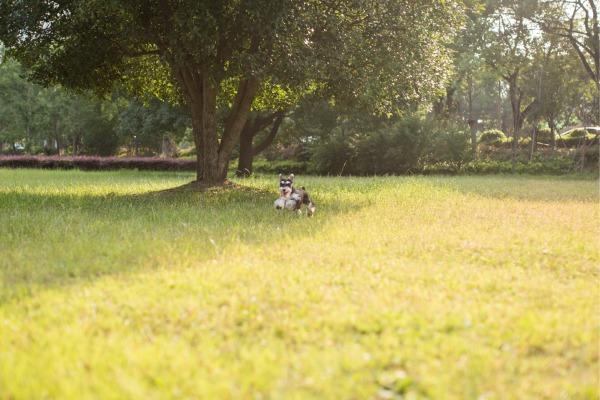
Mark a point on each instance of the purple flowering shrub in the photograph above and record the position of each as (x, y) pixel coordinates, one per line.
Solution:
(97, 163)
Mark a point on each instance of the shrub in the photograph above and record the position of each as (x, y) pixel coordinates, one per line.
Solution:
(263, 166)
(402, 147)
(395, 150)
(451, 144)
(577, 133)
(576, 138)
(333, 155)
(188, 152)
(544, 136)
(492, 136)
(524, 141)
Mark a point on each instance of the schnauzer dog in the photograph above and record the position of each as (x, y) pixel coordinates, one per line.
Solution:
(291, 198)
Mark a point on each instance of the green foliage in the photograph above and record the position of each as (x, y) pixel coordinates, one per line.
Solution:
(544, 136)
(577, 133)
(396, 148)
(100, 137)
(450, 143)
(550, 166)
(289, 45)
(331, 157)
(492, 136)
(144, 125)
(524, 141)
(577, 138)
(262, 166)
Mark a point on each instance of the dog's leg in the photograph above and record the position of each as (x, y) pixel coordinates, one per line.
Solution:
(310, 206)
(310, 209)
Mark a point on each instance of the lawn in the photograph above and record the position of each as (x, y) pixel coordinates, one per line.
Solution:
(399, 287)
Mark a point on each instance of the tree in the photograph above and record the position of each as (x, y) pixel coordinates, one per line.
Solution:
(152, 124)
(269, 110)
(577, 21)
(507, 49)
(21, 107)
(558, 83)
(392, 50)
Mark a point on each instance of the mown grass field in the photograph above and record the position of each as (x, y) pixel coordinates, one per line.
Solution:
(406, 287)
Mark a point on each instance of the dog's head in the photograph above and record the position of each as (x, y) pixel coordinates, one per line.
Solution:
(286, 185)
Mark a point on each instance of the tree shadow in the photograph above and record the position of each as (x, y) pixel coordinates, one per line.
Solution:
(55, 239)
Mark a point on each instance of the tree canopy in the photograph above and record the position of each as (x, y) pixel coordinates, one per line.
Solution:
(390, 53)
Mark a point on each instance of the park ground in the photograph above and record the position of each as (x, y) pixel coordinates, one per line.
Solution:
(400, 287)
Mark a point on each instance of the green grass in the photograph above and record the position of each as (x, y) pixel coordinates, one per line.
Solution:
(407, 287)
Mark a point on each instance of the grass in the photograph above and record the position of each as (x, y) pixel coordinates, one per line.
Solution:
(407, 287)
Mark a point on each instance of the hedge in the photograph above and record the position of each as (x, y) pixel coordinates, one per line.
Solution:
(555, 165)
(97, 163)
(141, 163)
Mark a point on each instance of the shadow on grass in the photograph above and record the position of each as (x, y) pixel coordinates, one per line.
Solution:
(55, 239)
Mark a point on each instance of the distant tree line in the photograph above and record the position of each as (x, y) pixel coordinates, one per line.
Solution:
(52, 120)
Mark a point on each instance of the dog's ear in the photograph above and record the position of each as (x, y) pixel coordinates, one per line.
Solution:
(280, 176)
(291, 177)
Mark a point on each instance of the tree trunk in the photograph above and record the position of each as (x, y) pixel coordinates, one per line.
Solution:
(518, 114)
(533, 142)
(515, 102)
(552, 126)
(74, 145)
(247, 148)
(213, 156)
(597, 101)
(246, 157)
(450, 103)
(472, 122)
(268, 140)
(499, 108)
(200, 88)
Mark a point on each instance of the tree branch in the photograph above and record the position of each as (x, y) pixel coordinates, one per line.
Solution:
(238, 115)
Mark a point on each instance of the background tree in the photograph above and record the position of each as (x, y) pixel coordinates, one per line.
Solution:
(577, 22)
(507, 49)
(153, 125)
(268, 111)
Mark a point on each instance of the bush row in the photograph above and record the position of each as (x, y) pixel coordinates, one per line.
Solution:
(141, 163)
(575, 138)
(541, 165)
(262, 166)
(98, 163)
(555, 166)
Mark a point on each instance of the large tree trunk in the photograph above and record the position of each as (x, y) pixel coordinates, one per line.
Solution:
(213, 155)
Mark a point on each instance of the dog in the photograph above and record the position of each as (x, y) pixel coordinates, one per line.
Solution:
(291, 198)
